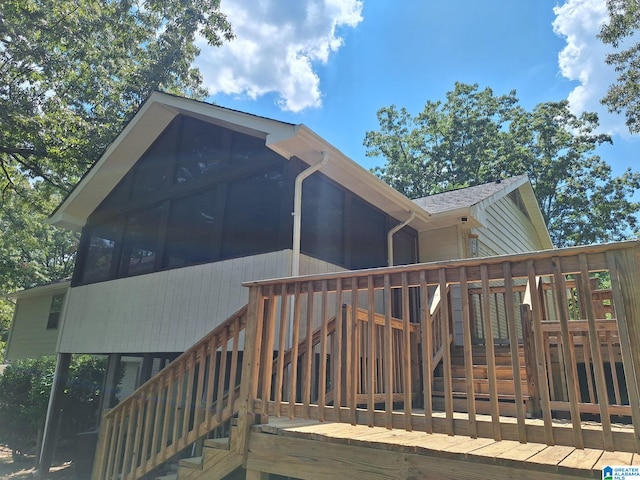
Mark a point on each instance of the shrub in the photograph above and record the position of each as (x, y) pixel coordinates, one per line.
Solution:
(24, 395)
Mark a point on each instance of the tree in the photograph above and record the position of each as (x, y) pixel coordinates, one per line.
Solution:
(475, 137)
(72, 73)
(620, 32)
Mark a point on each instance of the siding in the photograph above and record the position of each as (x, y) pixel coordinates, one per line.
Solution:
(506, 230)
(439, 244)
(29, 336)
(163, 311)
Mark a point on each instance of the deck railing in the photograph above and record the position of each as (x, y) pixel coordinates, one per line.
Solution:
(196, 393)
(358, 347)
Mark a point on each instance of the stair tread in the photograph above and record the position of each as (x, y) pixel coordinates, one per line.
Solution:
(501, 396)
(172, 476)
(193, 462)
(219, 443)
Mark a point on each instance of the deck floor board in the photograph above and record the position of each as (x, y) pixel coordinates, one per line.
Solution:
(531, 456)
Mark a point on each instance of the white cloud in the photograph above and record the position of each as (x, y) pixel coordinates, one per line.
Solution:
(277, 44)
(583, 59)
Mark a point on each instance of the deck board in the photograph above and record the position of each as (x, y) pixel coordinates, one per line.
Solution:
(534, 457)
(586, 458)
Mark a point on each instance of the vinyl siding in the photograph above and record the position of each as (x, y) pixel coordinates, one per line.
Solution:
(30, 337)
(163, 311)
(439, 244)
(506, 230)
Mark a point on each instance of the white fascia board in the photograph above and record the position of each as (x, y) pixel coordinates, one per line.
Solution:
(453, 217)
(113, 165)
(38, 291)
(531, 202)
(308, 147)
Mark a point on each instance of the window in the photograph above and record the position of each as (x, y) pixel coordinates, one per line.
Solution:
(152, 171)
(191, 230)
(140, 242)
(252, 214)
(323, 220)
(368, 236)
(54, 311)
(101, 251)
(199, 194)
(203, 150)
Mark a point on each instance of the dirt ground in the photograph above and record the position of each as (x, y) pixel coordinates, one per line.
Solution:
(22, 470)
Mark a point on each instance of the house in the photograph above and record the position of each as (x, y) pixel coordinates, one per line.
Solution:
(36, 319)
(192, 203)
(35, 331)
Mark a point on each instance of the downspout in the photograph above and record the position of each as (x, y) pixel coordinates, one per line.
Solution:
(297, 211)
(392, 232)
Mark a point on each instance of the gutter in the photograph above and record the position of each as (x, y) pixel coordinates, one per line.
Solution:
(391, 233)
(297, 211)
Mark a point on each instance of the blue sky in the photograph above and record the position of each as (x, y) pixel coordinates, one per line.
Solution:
(331, 64)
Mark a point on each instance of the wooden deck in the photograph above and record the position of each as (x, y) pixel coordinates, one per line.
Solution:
(393, 368)
(308, 449)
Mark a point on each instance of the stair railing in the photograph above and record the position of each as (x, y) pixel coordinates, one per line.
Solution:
(323, 381)
(190, 397)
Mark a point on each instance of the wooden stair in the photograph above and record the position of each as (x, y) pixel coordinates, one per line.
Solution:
(219, 458)
(504, 381)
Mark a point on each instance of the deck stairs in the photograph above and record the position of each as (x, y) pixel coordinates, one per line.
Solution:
(217, 458)
(505, 383)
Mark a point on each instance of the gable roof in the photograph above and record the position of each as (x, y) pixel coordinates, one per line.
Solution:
(287, 139)
(471, 202)
(466, 197)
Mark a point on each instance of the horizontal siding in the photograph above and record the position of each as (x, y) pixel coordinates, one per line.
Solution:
(506, 230)
(439, 244)
(163, 311)
(29, 335)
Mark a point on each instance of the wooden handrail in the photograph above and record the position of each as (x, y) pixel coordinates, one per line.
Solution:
(363, 366)
(182, 403)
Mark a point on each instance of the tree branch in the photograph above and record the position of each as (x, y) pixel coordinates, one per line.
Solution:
(25, 152)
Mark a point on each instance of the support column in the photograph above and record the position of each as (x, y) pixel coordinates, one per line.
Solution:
(145, 369)
(54, 411)
(109, 386)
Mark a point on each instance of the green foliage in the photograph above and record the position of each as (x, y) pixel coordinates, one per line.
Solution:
(24, 395)
(24, 392)
(475, 137)
(621, 32)
(72, 73)
(6, 315)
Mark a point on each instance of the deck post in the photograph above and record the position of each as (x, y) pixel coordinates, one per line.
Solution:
(53, 413)
(530, 361)
(250, 369)
(109, 385)
(625, 282)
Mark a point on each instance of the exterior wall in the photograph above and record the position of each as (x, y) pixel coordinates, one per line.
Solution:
(310, 266)
(439, 244)
(506, 230)
(164, 311)
(29, 336)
